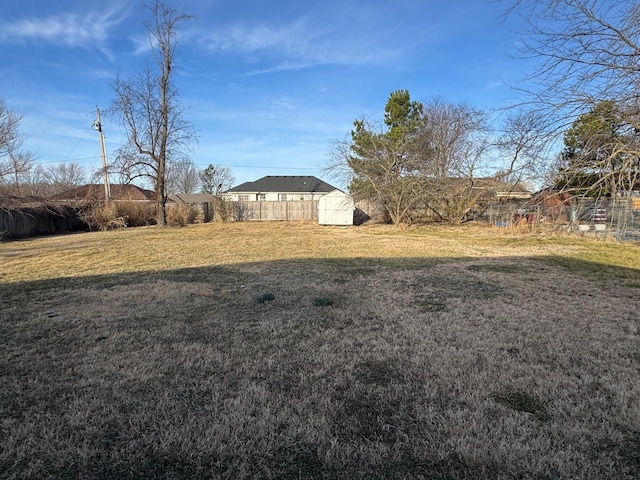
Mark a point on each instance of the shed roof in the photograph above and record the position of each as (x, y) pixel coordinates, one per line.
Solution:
(285, 184)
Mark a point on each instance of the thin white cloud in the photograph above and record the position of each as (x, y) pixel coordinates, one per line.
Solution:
(292, 39)
(70, 30)
(284, 103)
(284, 66)
(141, 44)
(494, 85)
(300, 44)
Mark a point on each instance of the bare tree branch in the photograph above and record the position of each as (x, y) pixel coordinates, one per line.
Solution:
(151, 114)
(216, 179)
(589, 53)
(182, 177)
(439, 159)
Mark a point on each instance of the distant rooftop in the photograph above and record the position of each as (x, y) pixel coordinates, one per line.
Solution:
(192, 198)
(285, 184)
(95, 191)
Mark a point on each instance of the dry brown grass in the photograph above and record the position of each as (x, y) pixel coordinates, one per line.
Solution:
(436, 353)
(181, 215)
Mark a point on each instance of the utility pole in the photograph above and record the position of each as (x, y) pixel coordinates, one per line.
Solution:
(97, 125)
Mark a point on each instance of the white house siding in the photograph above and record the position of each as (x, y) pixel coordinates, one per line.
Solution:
(273, 196)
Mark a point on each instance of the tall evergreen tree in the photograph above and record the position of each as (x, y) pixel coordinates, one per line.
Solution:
(595, 159)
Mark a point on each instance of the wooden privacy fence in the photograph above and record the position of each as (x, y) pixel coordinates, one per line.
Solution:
(33, 221)
(268, 211)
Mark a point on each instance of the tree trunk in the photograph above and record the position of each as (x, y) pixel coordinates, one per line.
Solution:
(161, 198)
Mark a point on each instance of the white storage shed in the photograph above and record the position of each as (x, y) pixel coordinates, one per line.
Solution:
(335, 208)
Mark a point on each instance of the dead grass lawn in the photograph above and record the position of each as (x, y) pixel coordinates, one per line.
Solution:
(204, 352)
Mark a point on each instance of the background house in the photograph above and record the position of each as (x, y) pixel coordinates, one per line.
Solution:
(280, 188)
(498, 190)
(291, 197)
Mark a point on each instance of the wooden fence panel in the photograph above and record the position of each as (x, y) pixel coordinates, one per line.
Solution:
(30, 222)
(274, 211)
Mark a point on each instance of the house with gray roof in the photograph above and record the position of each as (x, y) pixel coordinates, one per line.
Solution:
(277, 188)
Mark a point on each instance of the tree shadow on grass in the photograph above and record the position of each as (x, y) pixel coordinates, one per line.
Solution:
(183, 374)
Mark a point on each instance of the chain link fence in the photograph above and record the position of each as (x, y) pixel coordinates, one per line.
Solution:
(617, 218)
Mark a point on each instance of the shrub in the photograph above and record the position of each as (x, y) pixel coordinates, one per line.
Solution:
(180, 215)
(137, 214)
(200, 216)
(239, 211)
(224, 209)
(102, 216)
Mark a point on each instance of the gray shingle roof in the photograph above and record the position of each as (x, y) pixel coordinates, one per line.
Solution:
(285, 184)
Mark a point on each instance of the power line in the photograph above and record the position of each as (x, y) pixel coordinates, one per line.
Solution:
(201, 164)
(257, 166)
(46, 162)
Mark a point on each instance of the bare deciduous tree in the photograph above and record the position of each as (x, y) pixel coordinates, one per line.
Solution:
(64, 176)
(456, 139)
(35, 182)
(588, 52)
(10, 138)
(16, 168)
(182, 177)
(148, 105)
(216, 178)
(14, 162)
(526, 147)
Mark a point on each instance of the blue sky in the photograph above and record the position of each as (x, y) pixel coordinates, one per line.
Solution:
(267, 84)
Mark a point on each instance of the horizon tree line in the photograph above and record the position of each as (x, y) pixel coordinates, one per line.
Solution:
(29, 178)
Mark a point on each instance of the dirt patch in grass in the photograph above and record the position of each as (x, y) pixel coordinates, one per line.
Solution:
(505, 361)
(523, 402)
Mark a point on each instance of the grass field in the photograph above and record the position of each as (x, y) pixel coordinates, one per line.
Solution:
(294, 351)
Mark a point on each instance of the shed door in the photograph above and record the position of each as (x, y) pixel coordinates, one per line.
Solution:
(335, 210)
